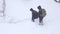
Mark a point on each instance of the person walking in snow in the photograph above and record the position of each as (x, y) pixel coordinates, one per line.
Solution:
(34, 14)
(42, 14)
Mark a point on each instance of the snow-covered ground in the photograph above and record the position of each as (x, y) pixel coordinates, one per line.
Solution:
(18, 17)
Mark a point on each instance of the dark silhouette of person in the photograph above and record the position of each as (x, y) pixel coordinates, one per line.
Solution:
(40, 14)
(34, 14)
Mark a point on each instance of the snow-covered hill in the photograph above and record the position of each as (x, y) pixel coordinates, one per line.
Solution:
(18, 17)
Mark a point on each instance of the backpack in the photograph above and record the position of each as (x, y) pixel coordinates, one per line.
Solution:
(43, 13)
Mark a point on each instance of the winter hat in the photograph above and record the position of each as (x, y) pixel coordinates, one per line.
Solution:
(39, 7)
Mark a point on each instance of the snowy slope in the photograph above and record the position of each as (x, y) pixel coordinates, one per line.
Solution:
(18, 17)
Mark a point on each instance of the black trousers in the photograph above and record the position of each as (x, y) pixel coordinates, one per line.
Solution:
(41, 19)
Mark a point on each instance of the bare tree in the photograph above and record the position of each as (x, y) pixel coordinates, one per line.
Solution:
(2, 12)
(58, 1)
(4, 5)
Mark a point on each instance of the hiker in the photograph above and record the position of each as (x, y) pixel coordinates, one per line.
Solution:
(42, 14)
(34, 14)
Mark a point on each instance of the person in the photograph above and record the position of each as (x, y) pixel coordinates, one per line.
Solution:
(42, 14)
(34, 14)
